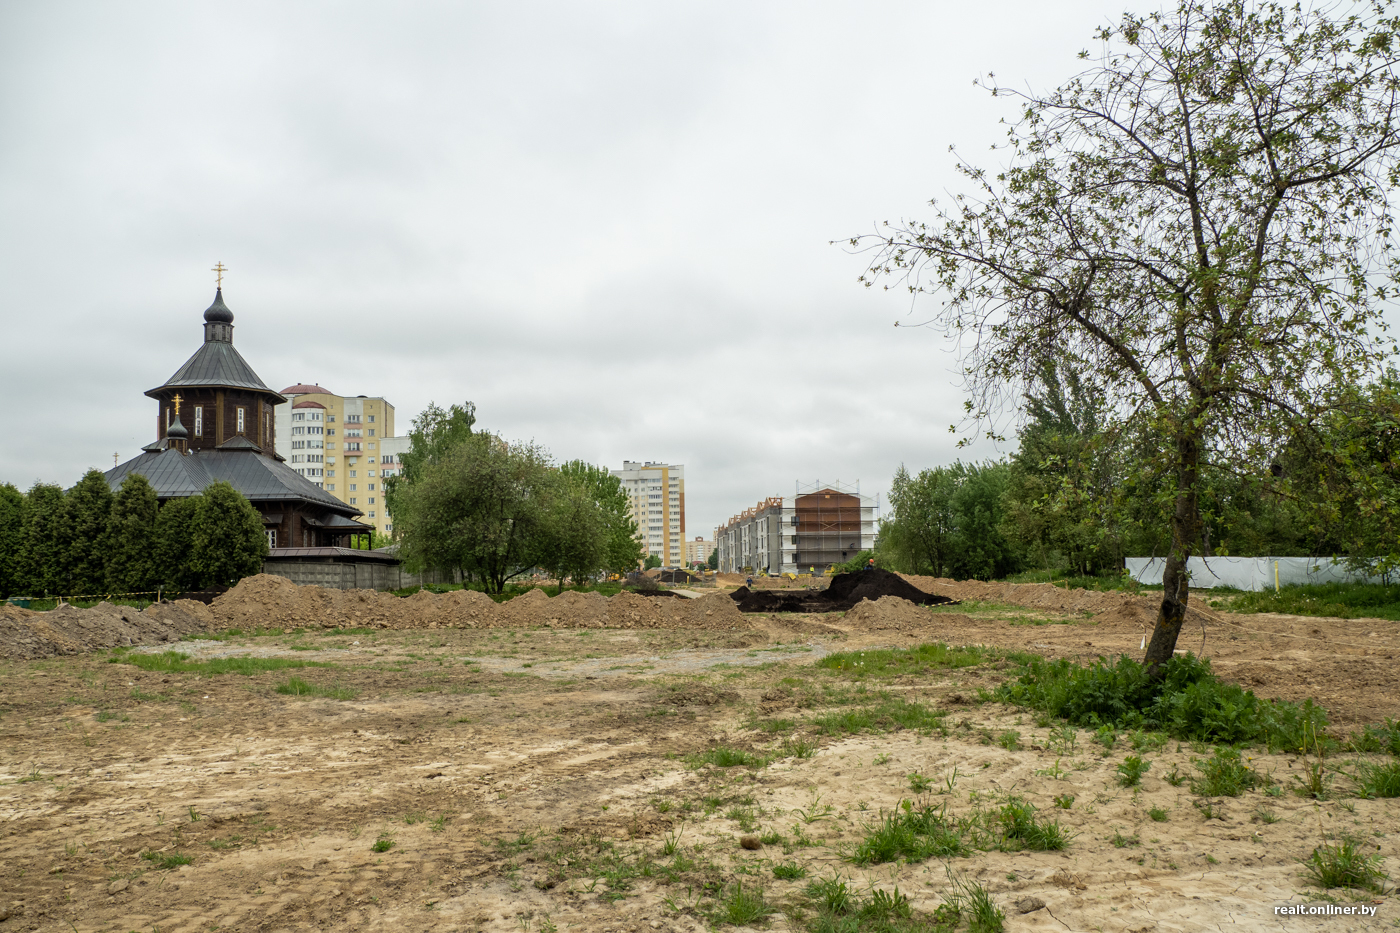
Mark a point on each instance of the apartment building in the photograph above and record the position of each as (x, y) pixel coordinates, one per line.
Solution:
(334, 441)
(821, 525)
(656, 497)
(698, 550)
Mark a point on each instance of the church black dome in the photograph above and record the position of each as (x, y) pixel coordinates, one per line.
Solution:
(218, 312)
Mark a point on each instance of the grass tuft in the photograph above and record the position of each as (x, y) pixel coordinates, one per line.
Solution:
(1343, 865)
(296, 687)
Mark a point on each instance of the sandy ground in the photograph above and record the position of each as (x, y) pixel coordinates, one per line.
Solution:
(532, 779)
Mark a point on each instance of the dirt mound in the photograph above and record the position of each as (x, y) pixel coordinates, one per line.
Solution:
(66, 630)
(846, 591)
(887, 614)
(1127, 609)
(269, 602)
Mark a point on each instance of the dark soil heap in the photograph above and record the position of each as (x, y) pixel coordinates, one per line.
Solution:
(845, 591)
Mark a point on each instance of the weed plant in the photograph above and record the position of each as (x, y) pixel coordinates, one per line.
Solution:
(789, 871)
(1225, 774)
(1379, 780)
(913, 834)
(1344, 865)
(1132, 769)
(166, 860)
(296, 687)
(744, 907)
(1188, 702)
(1384, 738)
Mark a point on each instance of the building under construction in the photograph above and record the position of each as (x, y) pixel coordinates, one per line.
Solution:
(821, 525)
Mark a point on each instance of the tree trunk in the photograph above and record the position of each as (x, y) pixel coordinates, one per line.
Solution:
(1186, 524)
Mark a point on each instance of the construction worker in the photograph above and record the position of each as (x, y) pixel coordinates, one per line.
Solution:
(870, 564)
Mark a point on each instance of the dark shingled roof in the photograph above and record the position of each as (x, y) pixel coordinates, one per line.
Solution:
(216, 363)
(260, 478)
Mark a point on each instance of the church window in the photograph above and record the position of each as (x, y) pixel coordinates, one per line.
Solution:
(271, 537)
(199, 421)
(241, 413)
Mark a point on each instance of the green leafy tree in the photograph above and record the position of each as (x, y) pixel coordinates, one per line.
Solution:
(43, 551)
(622, 548)
(11, 541)
(1200, 223)
(575, 536)
(713, 562)
(174, 543)
(651, 562)
(227, 541)
(435, 432)
(82, 533)
(948, 522)
(131, 537)
(483, 508)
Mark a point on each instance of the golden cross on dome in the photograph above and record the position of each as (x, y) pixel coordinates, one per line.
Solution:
(177, 400)
(219, 269)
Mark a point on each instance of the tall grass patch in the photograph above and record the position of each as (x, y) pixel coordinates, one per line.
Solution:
(1333, 600)
(896, 662)
(888, 714)
(1189, 702)
(175, 662)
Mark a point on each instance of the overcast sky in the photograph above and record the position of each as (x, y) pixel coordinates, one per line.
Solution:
(607, 224)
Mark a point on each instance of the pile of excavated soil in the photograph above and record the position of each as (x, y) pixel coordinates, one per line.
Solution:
(265, 601)
(847, 590)
(1105, 607)
(270, 602)
(26, 635)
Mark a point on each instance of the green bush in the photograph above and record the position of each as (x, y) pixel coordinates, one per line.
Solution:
(1189, 702)
(1225, 774)
(913, 834)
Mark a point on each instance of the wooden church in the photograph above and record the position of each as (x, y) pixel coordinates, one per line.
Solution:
(214, 422)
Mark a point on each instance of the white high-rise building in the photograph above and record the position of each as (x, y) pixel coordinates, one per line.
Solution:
(656, 494)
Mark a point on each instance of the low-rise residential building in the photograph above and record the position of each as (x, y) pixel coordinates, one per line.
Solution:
(808, 531)
(335, 442)
(656, 498)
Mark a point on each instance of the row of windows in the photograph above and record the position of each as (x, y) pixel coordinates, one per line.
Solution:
(306, 416)
(309, 429)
